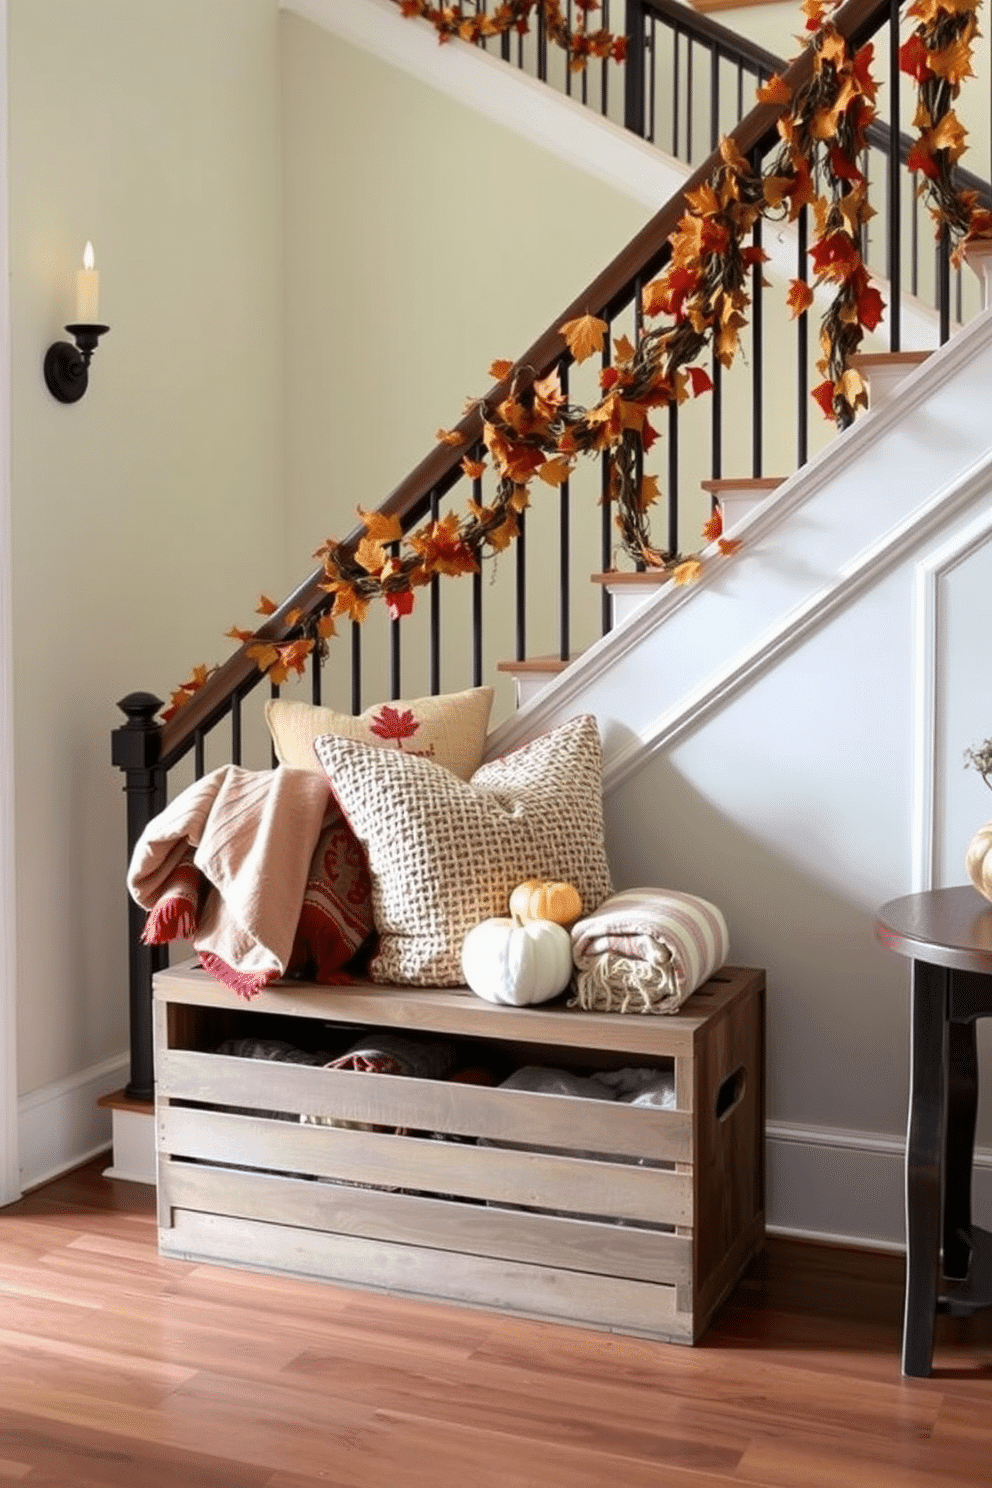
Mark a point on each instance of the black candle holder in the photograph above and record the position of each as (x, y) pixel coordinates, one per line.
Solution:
(67, 366)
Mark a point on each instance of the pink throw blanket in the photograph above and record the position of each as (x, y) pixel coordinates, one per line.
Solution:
(252, 834)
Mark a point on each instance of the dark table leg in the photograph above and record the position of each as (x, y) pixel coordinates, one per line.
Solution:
(924, 1149)
(959, 1144)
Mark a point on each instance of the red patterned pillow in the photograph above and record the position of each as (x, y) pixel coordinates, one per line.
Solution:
(336, 918)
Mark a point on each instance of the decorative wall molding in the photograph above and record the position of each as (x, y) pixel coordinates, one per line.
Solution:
(929, 575)
(61, 1125)
(786, 631)
(847, 1187)
(9, 1182)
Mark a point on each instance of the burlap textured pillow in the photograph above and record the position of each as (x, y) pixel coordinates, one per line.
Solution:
(446, 853)
(449, 729)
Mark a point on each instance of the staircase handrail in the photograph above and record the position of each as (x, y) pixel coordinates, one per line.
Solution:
(410, 500)
(736, 48)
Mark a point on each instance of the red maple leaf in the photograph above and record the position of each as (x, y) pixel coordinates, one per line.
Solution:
(390, 723)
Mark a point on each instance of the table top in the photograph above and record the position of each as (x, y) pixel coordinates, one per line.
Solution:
(945, 927)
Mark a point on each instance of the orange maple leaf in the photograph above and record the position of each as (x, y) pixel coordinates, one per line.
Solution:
(584, 336)
(728, 545)
(713, 527)
(236, 634)
(264, 655)
(371, 555)
(799, 298)
(500, 368)
(265, 606)
(473, 468)
(623, 349)
(649, 493)
(555, 472)
(326, 626)
(380, 527)
(687, 572)
(776, 90)
(449, 436)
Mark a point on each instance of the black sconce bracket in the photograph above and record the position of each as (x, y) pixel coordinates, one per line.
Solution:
(67, 366)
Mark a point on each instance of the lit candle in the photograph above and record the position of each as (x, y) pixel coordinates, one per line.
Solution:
(87, 290)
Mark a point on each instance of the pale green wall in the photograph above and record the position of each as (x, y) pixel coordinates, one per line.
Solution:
(147, 516)
(422, 241)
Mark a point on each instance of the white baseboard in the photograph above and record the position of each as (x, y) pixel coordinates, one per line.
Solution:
(60, 1126)
(848, 1187)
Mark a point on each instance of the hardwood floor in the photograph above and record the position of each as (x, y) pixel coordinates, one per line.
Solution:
(119, 1367)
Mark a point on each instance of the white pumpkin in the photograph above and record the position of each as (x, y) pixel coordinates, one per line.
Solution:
(517, 964)
(978, 860)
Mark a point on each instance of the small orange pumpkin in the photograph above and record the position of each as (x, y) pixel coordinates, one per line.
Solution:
(545, 899)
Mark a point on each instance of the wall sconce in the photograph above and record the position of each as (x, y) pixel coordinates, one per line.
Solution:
(67, 365)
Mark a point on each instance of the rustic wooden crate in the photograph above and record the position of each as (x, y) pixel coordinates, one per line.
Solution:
(638, 1220)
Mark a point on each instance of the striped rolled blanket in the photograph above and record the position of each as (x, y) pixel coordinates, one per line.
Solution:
(646, 951)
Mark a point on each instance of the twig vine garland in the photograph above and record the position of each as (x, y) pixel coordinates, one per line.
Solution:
(938, 55)
(578, 42)
(534, 432)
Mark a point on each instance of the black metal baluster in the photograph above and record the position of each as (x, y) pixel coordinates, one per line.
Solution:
(716, 418)
(757, 332)
(633, 74)
(802, 347)
(435, 614)
(568, 70)
(638, 327)
(395, 646)
(273, 758)
(316, 671)
(673, 477)
(199, 762)
(714, 97)
(894, 182)
(564, 550)
(651, 133)
(676, 63)
(689, 49)
(356, 667)
(236, 729)
(944, 284)
(521, 576)
(542, 48)
(604, 69)
(605, 516)
(477, 494)
(914, 245)
(740, 91)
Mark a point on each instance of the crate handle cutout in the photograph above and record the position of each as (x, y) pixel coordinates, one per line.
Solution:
(730, 1094)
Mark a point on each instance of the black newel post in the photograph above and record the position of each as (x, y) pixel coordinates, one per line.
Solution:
(634, 70)
(136, 748)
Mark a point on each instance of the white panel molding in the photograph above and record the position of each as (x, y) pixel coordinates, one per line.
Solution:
(9, 1181)
(926, 604)
(61, 1124)
(590, 670)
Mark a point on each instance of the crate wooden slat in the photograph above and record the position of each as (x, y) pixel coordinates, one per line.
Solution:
(591, 1212)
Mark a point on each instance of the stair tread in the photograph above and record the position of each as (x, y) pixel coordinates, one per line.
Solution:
(631, 576)
(743, 483)
(870, 359)
(119, 1100)
(536, 664)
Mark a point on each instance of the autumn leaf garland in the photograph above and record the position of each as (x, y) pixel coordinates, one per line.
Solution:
(533, 432)
(580, 43)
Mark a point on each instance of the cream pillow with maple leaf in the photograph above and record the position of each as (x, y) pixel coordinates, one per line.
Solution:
(448, 729)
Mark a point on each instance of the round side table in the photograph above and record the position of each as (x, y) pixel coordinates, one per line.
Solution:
(947, 933)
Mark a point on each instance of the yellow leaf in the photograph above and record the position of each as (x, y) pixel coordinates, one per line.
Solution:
(502, 536)
(649, 492)
(555, 471)
(263, 655)
(371, 555)
(624, 349)
(584, 336)
(687, 572)
(733, 157)
(379, 527)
